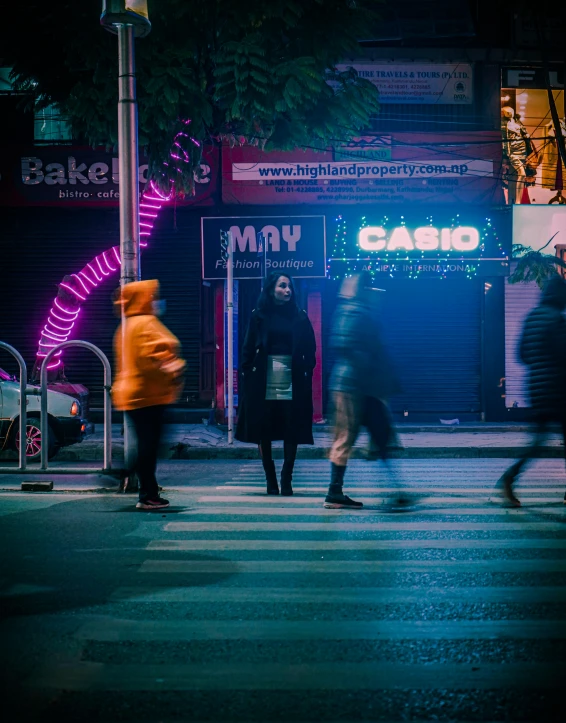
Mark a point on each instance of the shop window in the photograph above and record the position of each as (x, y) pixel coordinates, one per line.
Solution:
(50, 126)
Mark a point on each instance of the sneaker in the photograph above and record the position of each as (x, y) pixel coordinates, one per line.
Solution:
(340, 501)
(158, 504)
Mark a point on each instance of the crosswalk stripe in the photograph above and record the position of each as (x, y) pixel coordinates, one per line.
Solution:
(405, 544)
(430, 595)
(347, 567)
(80, 676)
(372, 509)
(304, 489)
(107, 629)
(332, 526)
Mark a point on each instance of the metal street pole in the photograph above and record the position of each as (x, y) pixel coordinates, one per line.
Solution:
(128, 156)
(128, 20)
(230, 332)
(129, 195)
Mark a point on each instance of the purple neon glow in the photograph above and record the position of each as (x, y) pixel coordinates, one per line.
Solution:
(77, 287)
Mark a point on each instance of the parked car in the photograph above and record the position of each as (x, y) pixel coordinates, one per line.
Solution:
(65, 421)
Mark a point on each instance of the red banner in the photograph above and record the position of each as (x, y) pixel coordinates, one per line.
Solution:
(411, 167)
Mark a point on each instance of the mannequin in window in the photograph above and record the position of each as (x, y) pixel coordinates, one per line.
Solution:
(552, 176)
(516, 142)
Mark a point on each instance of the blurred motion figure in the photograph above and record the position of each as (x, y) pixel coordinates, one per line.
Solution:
(361, 382)
(543, 349)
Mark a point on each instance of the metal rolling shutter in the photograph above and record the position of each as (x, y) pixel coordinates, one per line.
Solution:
(433, 328)
(433, 331)
(174, 257)
(519, 300)
(39, 246)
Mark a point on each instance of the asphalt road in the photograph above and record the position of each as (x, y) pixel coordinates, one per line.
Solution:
(232, 606)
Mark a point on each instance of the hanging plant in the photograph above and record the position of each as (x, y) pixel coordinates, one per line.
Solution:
(535, 265)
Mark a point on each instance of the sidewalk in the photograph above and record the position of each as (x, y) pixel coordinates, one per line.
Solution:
(197, 441)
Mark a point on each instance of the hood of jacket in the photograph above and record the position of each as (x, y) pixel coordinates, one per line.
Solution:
(137, 298)
(554, 293)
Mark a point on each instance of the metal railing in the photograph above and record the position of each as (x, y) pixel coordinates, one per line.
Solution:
(23, 409)
(107, 409)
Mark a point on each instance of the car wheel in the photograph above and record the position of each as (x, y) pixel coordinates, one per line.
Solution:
(34, 440)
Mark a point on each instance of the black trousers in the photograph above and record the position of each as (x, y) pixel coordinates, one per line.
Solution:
(148, 424)
(377, 420)
(533, 451)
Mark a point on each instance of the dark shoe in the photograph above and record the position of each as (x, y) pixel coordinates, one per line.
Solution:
(400, 503)
(157, 504)
(505, 483)
(286, 487)
(130, 484)
(339, 501)
(565, 498)
(271, 478)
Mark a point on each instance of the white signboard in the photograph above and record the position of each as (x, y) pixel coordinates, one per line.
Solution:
(431, 83)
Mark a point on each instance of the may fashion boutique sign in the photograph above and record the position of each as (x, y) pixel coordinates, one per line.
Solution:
(432, 83)
(291, 244)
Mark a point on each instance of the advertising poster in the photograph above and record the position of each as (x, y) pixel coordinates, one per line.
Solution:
(450, 168)
(66, 176)
(262, 244)
(418, 83)
(532, 171)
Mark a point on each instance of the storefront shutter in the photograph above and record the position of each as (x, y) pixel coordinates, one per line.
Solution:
(432, 328)
(41, 245)
(519, 300)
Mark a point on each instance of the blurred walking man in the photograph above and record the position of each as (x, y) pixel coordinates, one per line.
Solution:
(543, 350)
(362, 380)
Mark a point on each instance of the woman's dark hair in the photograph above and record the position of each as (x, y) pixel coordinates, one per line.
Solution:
(265, 300)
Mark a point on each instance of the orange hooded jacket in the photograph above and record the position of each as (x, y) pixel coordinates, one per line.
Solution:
(148, 366)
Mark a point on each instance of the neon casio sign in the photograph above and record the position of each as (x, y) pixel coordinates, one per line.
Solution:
(424, 238)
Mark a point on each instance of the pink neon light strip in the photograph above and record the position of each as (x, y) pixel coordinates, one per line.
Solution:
(70, 288)
(52, 313)
(81, 282)
(52, 331)
(73, 314)
(99, 279)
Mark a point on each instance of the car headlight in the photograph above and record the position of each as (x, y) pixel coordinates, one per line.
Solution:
(75, 409)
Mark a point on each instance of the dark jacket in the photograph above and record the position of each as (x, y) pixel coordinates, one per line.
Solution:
(253, 378)
(361, 362)
(543, 348)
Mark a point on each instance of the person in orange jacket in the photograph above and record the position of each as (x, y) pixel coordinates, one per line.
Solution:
(149, 375)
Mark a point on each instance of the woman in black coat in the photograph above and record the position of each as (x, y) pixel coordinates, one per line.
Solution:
(276, 379)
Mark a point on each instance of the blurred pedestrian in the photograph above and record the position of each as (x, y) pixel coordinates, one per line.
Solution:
(276, 374)
(149, 375)
(361, 382)
(543, 349)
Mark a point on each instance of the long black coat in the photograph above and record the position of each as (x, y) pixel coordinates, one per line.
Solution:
(543, 349)
(253, 379)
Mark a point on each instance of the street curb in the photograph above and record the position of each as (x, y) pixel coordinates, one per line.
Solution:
(197, 453)
(186, 452)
